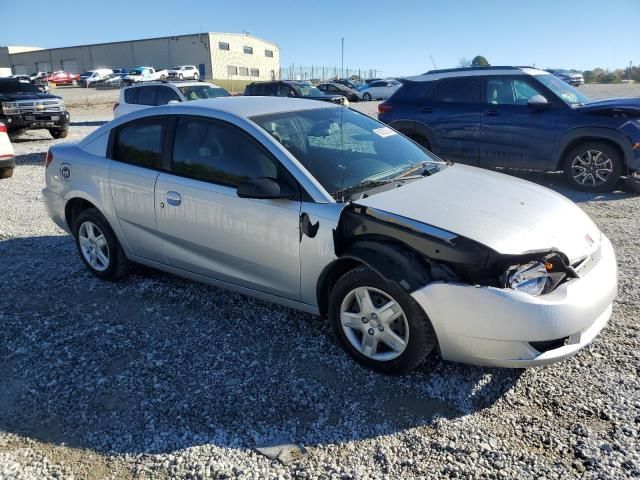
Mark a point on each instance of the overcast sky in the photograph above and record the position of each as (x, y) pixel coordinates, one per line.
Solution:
(396, 37)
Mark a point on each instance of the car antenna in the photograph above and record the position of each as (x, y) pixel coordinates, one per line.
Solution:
(434, 63)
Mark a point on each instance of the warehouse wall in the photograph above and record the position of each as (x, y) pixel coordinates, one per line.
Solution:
(235, 57)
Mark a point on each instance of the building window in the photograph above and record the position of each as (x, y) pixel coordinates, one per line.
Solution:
(244, 72)
(268, 53)
(223, 45)
(232, 70)
(248, 50)
(255, 72)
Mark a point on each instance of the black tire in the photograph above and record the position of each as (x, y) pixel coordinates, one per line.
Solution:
(181, 77)
(59, 132)
(366, 97)
(422, 338)
(119, 265)
(74, 82)
(572, 170)
(6, 172)
(196, 76)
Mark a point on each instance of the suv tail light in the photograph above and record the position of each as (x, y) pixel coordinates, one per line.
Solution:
(48, 159)
(384, 107)
(3, 128)
(115, 105)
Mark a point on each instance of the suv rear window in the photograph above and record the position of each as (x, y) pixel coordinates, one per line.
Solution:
(412, 90)
(457, 90)
(131, 95)
(147, 96)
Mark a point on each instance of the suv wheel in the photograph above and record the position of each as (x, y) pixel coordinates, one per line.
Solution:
(59, 132)
(593, 167)
(379, 324)
(196, 76)
(366, 97)
(98, 246)
(181, 77)
(6, 172)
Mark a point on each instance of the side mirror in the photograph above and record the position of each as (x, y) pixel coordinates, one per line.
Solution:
(538, 101)
(264, 188)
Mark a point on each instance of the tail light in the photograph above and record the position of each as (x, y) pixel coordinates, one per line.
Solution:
(3, 128)
(384, 107)
(115, 105)
(48, 159)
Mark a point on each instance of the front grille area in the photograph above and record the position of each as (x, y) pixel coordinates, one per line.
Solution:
(39, 106)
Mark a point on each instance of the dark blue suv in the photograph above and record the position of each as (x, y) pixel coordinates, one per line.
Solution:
(522, 118)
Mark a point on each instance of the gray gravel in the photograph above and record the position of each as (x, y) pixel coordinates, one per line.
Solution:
(159, 377)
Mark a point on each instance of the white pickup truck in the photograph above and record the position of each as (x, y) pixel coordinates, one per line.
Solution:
(144, 74)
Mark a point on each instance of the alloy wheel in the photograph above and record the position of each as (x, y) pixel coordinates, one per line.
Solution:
(93, 245)
(591, 168)
(374, 323)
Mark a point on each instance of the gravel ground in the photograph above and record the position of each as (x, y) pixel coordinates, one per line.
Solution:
(159, 377)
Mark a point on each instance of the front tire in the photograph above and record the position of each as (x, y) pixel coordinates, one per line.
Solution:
(59, 132)
(379, 324)
(181, 77)
(98, 246)
(366, 97)
(196, 76)
(6, 172)
(593, 167)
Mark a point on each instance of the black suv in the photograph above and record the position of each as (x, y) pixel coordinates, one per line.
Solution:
(24, 107)
(291, 88)
(520, 118)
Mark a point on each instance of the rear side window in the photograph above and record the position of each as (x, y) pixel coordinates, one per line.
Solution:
(140, 143)
(131, 95)
(166, 94)
(147, 96)
(412, 90)
(219, 153)
(457, 90)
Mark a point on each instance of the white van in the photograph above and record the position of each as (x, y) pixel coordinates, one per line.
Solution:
(90, 77)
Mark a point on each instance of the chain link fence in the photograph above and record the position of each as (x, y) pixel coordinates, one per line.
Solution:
(323, 73)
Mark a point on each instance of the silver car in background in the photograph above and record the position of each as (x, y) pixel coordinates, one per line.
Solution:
(326, 210)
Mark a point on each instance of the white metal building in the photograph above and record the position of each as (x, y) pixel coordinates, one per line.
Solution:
(218, 55)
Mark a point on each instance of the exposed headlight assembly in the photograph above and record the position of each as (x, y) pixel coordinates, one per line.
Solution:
(538, 277)
(10, 108)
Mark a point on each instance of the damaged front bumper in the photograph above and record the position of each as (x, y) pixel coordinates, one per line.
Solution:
(505, 328)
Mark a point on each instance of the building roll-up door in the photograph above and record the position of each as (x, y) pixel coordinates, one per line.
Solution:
(43, 66)
(20, 70)
(70, 66)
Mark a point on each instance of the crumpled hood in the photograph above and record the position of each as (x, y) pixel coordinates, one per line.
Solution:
(509, 215)
(612, 106)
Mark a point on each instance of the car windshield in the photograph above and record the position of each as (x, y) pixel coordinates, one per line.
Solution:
(307, 90)
(176, 68)
(135, 71)
(17, 86)
(199, 92)
(569, 95)
(346, 151)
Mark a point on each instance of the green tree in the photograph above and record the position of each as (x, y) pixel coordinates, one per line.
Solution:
(479, 61)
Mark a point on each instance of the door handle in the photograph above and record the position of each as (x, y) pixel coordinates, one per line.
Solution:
(174, 199)
(492, 113)
(426, 110)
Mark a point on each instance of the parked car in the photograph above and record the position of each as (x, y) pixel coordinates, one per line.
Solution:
(25, 107)
(292, 88)
(41, 84)
(339, 89)
(380, 89)
(326, 210)
(184, 72)
(91, 77)
(144, 74)
(7, 157)
(367, 81)
(522, 118)
(137, 97)
(39, 75)
(63, 78)
(111, 81)
(347, 83)
(572, 78)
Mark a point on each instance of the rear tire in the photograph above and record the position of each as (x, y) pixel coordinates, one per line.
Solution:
(593, 167)
(366, 97)
(410, 333)
(6, 172)
(181, 77)
(196, 76)
(98, 246)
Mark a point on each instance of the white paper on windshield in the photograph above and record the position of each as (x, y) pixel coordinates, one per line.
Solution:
(384, 132)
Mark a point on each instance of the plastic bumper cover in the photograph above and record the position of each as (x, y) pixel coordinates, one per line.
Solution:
(493, 326)
(55, 204)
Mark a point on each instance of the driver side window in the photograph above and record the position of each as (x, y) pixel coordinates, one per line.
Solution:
(509, 91)
(218, 152)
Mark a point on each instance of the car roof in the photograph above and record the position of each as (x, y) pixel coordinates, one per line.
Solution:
(182, 83)
(255, 105)
(474, 72)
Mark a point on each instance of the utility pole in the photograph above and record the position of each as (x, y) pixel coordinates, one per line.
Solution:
(342, 60)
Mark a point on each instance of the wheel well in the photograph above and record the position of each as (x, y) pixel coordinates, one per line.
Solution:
(577, 141)
(328, 279)
(74, 207)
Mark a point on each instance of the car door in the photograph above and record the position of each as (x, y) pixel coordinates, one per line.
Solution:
(135, 149)
(376, 89)
(514, 134)
(207, 229)
(451, 111)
